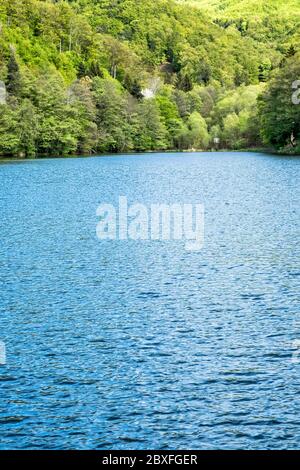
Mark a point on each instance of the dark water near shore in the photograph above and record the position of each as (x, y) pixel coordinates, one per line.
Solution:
(142, 345)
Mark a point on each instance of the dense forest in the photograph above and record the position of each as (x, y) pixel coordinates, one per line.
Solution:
(96, 76)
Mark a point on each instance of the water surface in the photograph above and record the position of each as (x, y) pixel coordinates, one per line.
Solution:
(130, 345)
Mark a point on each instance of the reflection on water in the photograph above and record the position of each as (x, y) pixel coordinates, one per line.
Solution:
(146, 345)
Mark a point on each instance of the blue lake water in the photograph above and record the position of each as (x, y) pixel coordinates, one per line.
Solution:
(144, 345)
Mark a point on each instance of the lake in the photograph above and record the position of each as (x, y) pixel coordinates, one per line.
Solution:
(143, 344)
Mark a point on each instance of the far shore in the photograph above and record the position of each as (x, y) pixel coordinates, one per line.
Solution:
(7, 159)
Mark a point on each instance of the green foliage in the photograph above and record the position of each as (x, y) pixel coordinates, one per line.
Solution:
(111, 117)
(13, 75)
(9, 138)
(198, 136)
(279, 113)
(235, 117)
(266, 21)
(28, 129)
(76, 71)
(151, 132)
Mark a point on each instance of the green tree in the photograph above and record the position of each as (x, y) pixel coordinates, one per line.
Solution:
(13, 81)
(59, 129)
(28, 129)
(151, 133)
(9, 136)
(171, 119)
(111, 116)
(198, 134)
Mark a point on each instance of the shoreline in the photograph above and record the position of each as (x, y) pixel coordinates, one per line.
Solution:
(267, 151)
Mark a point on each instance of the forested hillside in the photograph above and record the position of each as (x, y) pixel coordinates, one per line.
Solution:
(90, 76)
(264, 20)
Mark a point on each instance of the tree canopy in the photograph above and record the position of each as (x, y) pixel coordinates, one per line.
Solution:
(87, 76)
